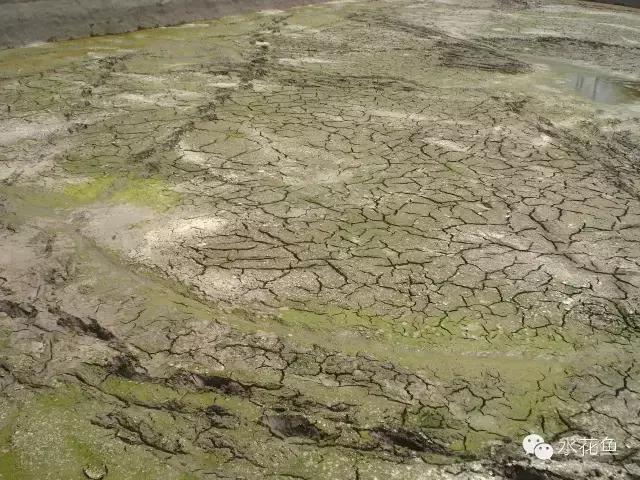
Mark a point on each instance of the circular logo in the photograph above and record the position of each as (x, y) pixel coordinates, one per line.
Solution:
(530, 442)
(543, 451)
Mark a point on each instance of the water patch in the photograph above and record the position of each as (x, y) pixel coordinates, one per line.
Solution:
(586, 82)
(602, 89)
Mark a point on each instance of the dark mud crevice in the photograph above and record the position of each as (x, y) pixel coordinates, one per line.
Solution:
(522, 472)
(136, 432)
(128, 367)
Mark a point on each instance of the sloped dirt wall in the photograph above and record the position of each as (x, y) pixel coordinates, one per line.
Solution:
(27, 21)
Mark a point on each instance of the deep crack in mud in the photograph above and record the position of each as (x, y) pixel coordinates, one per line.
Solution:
(355, 240)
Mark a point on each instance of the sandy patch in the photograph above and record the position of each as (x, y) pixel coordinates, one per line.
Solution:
(400, 115)
(303, 60)
(447, 144)
(16, 130)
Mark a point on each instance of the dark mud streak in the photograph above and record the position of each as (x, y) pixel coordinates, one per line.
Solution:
(18, 310)
(292, 425)
(89, 326)
(470, 55)
(220, 384)
(412, 440)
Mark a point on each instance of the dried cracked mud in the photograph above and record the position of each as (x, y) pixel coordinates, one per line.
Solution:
(357, 240)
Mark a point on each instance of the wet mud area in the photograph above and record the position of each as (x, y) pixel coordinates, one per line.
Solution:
(354, 240)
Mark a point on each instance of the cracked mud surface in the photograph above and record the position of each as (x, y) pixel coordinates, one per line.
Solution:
(350, 241)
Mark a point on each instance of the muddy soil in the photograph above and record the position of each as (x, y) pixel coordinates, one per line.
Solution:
(354, 240)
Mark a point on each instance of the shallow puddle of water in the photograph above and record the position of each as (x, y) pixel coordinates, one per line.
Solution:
(604, 90)
(567, 78)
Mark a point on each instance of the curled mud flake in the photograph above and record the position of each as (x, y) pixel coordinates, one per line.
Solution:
(18, 310)
(412, 440)
(90, 326)
(216, 411)
(292, 425)
(126, 366)
(211, 382)
(220, 417)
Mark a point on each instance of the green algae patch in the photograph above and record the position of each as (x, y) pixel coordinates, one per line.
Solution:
(140, 393)
(449, 335)
(150, 192)
(41, 57)
(91, 191)
(316, 16)
(156, 395)
(9, 461)
(512, 386)
(9, 466)
(52, 437)
(524, 386)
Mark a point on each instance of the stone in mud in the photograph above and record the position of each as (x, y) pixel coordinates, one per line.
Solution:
(93, 472)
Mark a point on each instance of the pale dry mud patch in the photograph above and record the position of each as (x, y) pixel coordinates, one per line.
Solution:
(350, 241)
